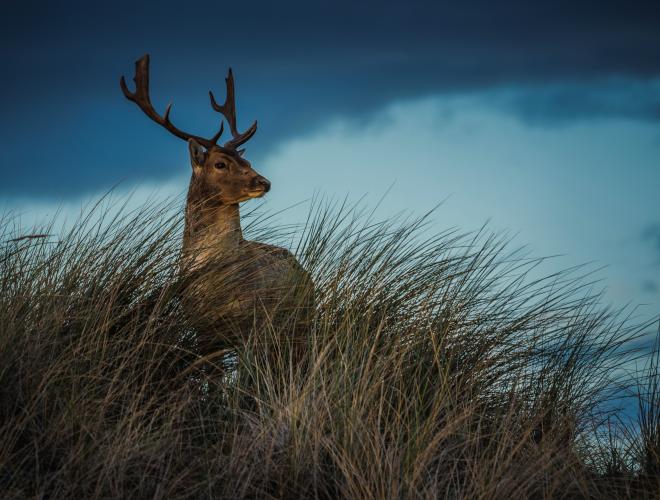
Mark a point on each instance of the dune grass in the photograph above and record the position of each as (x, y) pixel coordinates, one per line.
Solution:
(435, 366)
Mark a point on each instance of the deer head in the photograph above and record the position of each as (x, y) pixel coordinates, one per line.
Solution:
(219, 173)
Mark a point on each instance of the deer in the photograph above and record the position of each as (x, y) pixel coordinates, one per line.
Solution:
(232, 284)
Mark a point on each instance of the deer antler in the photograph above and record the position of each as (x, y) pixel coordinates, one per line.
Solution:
(228, 109)
(141, 98)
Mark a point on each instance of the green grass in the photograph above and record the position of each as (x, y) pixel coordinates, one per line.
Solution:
(434, 367)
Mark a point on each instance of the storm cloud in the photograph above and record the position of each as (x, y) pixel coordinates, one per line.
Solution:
(298, 64)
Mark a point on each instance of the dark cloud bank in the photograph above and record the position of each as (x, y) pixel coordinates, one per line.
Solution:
(65, 127)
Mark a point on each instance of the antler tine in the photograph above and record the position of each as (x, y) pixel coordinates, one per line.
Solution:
(228, 109)
(141, 98)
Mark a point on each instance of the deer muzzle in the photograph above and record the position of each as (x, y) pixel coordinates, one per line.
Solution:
(260, 183)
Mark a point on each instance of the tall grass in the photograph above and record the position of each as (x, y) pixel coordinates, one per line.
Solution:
(435, 366)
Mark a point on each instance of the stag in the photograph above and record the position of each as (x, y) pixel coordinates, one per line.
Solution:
(232, 284)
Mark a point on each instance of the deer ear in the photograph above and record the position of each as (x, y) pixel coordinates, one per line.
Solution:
(197, 153)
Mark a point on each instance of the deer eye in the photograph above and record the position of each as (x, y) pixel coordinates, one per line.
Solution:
(221, 165)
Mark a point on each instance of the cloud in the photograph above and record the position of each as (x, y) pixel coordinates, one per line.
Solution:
(562, 103)
(355, 56)
(65, 128)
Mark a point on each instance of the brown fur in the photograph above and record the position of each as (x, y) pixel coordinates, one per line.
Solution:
(236, 284)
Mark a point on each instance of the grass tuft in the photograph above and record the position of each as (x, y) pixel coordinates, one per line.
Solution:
(435, 366)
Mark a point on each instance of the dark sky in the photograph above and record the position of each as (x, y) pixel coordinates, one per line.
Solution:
(66, 129)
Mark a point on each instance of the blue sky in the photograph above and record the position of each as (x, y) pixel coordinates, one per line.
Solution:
(543, 118)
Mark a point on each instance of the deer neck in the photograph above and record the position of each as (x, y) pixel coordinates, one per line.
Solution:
(212, 224)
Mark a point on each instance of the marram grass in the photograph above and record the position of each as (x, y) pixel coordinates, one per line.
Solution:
(434, 366)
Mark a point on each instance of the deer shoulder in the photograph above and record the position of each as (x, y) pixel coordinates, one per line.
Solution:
(278, 270)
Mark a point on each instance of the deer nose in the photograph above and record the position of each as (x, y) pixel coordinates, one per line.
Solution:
(263, 182)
